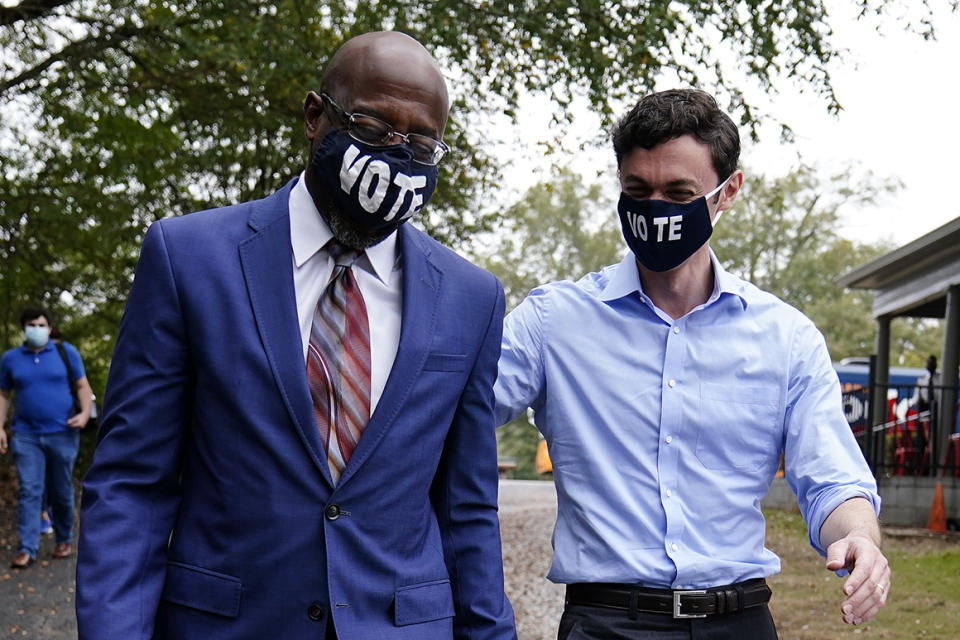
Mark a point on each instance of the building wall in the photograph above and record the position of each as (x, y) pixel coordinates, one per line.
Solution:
(906, 501)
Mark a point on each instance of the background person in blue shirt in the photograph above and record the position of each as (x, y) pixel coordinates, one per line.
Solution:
(45, 431)
(667, 389)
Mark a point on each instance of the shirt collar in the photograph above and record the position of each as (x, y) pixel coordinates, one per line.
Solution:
(30, 350)
(726, 282)
(625, 280)
(309, 233)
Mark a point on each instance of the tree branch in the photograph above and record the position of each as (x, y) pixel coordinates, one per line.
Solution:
(79, 49)
(28, 10)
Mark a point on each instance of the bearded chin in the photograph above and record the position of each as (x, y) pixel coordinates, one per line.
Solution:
(348, 233)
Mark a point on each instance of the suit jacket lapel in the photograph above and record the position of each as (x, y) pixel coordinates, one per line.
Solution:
(421, 306)
(266, 261)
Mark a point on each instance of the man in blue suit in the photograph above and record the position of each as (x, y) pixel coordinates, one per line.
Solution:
(298, 436)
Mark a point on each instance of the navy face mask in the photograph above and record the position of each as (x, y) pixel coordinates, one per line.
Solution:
(377, 188)
(661, 234)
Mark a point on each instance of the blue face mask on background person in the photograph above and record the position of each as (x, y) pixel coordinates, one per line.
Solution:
(375, 187)
(662, 234)
(36, 337)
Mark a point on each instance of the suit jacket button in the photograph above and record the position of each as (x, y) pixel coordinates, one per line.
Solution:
(315, 612)
(332, 512)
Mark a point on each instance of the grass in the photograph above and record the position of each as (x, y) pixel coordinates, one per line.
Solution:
(924, 600)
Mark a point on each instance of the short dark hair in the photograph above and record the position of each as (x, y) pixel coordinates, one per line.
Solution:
(32, 314)
(660, 117)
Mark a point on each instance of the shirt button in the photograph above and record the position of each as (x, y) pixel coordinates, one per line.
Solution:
(669, 493)
(669, 439)
(676, 329)
(315, 612)
(674, 547)
(332, 512)
(672, 383)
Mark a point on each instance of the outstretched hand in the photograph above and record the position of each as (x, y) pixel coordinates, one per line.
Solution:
(868, 583)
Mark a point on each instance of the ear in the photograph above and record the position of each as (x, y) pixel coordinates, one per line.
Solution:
(729, 192)
(313, 115)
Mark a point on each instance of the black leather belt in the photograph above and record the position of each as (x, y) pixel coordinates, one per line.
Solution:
(680, 604)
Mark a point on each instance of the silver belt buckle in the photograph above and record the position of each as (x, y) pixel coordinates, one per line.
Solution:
(677, 595)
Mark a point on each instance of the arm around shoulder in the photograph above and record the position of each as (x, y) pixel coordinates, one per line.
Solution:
(520, 377)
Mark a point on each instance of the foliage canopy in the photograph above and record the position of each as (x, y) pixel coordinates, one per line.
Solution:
(116, 113)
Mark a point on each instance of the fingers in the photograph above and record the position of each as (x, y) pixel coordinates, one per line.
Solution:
(868, 585)
(837, 555)
(865, 603)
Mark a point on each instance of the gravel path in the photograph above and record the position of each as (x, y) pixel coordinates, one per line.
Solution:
(527, 513)
(36, 602)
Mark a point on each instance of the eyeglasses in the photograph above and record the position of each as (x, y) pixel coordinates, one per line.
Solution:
(376, 132)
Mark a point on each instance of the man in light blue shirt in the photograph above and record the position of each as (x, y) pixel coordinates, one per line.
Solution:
(667, 389)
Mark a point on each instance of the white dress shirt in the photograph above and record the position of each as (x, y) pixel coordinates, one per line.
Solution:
(378, 274)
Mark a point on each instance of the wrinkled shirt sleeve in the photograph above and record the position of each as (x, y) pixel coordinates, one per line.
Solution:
(824, 465)
(520, 381)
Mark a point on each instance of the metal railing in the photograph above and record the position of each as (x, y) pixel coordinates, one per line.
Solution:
(908, 440)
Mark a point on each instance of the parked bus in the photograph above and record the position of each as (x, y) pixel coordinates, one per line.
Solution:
(854, 374)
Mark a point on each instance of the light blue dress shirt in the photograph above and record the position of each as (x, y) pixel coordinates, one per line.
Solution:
(666, 434)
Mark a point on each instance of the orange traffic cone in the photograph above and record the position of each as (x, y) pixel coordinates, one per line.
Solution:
(938, 514)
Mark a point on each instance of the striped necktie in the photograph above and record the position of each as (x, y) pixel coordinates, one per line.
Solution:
(338, 361)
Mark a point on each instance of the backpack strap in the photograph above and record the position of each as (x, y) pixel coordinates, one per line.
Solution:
(70, 379)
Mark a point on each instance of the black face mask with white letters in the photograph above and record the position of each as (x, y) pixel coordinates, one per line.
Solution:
(662, 234)
(377, 188)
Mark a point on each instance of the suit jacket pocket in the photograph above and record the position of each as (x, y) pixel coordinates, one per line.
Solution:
(445, 362)
(423, 603)
(202, 589)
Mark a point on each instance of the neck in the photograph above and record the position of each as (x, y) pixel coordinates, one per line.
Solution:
(680, 290)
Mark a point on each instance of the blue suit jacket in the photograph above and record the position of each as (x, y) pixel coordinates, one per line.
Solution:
(209, 512)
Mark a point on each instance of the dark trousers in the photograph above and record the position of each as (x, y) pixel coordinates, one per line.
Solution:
(582, 622)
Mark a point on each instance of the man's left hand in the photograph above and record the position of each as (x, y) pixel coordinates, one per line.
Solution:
(867, 586)
(78, 421)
